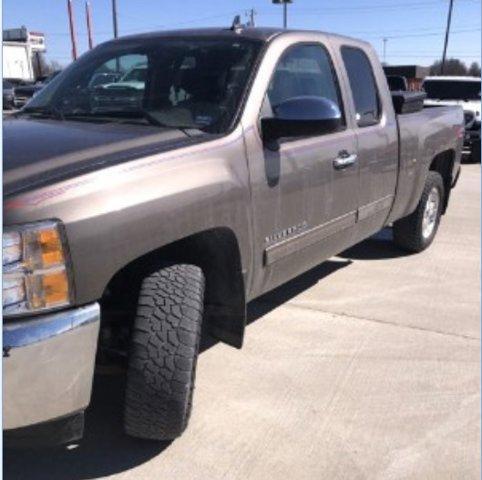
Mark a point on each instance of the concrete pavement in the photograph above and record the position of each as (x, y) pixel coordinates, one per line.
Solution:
(366, 367)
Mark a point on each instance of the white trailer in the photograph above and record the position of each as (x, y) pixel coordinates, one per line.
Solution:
(20, 49)
(17, 61)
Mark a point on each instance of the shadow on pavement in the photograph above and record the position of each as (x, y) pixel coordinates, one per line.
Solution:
(378, 247)
(105, 449)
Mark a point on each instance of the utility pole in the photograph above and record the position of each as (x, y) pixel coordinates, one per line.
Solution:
(251, 14)
(385, 40)
(72, 29)
(114, 17)
(88, 15)
(447, 32)
(285, 10)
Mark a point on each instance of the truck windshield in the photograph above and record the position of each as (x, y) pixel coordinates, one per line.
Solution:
(180, 83)
(452, 89)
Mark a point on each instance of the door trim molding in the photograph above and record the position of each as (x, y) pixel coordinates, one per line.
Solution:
(375, 207)
(309, 237)
(279, 250)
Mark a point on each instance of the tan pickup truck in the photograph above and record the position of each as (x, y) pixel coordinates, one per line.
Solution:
(165, 180)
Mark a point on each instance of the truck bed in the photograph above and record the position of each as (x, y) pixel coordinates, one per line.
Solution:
(421, 136)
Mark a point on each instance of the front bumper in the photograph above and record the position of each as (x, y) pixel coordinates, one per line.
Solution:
(48, 366)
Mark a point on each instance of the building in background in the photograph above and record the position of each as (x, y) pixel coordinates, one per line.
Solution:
(414, 74)
(22, 50)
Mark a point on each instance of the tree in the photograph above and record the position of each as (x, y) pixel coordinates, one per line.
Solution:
(41, 67)
(453, 67)
(54, 66)
(474, 70)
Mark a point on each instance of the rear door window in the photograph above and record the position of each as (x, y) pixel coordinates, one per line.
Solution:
(363, 86)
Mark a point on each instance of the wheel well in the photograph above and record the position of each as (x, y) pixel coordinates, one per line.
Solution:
(443, 163)
(217, 253)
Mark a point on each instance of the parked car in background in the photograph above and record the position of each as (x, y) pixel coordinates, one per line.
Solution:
(124, 93)
(134, 78)
(23, 93)
(463, 91)
(397, 83)
(103, 78)
(8, 95)
(252, 155)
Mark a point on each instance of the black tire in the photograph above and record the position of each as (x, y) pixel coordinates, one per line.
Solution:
(475, 153)
(163, 355)
(408, 231)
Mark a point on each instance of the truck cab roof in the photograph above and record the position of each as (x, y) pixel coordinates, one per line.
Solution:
(263, 34)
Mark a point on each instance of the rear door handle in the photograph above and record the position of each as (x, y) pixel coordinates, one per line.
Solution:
(344, 160)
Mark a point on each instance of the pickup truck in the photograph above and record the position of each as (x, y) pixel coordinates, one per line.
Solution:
(251, 156)
(463, 91)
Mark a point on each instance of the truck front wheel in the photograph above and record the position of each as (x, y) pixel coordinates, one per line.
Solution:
(417, 231)
(163, 354)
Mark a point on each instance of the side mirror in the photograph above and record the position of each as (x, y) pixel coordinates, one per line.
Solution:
(300, 117)
(407, 102)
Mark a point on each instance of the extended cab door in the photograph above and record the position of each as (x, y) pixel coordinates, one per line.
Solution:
(304, 194)
(377, 137)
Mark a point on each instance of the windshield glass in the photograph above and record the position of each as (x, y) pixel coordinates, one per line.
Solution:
(189, 83)
(452, 90)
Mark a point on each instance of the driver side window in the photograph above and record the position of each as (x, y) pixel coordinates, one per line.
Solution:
(303, 70)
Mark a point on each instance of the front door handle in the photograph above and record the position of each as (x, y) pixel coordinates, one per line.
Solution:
(344, 160)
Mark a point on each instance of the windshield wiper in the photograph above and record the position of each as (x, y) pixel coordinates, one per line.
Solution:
(153, 120)
(47, 111)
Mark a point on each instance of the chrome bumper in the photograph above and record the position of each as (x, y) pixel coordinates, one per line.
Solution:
(48, 366)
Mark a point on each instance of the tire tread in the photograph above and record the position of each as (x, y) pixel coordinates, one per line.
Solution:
(164, 347)
(407, 232)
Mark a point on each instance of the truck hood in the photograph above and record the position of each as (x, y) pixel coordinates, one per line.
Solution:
(39, 152)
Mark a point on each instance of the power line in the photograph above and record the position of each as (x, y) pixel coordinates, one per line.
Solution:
(434, 34)
(405, 30)
(226, 15)
(425, 55)
(372, 7)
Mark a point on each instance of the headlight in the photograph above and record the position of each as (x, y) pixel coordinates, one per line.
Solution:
(35, 271)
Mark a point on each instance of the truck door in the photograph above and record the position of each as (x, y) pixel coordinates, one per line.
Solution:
(305, 194)
(377, 138)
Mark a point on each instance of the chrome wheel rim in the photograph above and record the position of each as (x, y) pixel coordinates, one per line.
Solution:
(430, 213)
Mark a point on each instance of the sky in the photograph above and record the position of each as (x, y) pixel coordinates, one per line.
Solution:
(414, 30)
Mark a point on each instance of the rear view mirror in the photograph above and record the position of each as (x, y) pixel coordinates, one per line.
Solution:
(300, 117)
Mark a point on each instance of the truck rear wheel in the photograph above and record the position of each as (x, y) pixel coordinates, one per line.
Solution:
(417, 231)
(163, 354)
